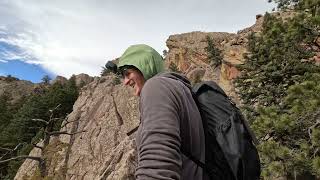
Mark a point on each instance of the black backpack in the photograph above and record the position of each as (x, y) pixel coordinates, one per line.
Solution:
(230, 152)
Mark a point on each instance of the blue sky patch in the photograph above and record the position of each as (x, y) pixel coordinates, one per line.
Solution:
(12, 63)
(23, 71)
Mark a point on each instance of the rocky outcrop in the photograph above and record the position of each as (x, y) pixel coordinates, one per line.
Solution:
(16, 88)
(59, 79)
(188, 52)
(188, 49)
(83, 79)
(103, 113)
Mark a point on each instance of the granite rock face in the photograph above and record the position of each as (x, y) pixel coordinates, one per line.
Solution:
(188, 52)
(59, 79)
(102, 115)
(83, 79)
(80, 79)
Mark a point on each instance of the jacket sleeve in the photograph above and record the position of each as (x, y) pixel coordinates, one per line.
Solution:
(159, 136)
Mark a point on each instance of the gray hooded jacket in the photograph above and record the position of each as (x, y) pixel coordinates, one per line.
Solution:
(170, 120)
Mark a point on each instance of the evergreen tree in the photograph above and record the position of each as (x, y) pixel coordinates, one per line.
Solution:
(10, 78)
(275, 61)
(5, 115)
(310, 6)
(46, 79)
(280, 92)
(214, 54)
(290, 139)
(7, 111)
(174, 68)
(22, 129)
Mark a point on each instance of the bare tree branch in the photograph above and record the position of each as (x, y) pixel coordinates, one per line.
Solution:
(315, 152)
(55, 119)
(52, 110)
(23, 157)
(57, 107)
(17, 146)
(36, 146)
(47, 127)
(67, 122)
(40, 120)
(9, 150)
(5, 149)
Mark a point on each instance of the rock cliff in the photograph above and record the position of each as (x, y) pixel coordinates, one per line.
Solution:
(80, 79)
(187, 51)
(105, 112)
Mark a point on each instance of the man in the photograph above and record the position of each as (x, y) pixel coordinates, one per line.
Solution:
(170, 120)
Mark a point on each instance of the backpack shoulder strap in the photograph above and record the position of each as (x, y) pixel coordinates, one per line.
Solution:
(194, 159)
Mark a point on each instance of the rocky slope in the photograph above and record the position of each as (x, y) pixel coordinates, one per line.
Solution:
(15, 88)
(187, 52)
(80, 79)
(106, 112)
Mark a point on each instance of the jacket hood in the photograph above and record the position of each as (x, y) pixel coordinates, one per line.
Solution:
(144, 58)
(178, 77)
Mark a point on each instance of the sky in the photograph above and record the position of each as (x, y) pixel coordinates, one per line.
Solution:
(46, 37)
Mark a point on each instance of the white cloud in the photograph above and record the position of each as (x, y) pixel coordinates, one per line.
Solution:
(75, 36)
(8, 55)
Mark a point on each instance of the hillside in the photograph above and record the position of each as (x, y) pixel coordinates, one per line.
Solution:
(20, 103)
(15, 88)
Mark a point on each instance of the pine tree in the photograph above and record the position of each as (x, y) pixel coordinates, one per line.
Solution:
(174, 68)
(290, 139)
(22, 129)
(275, 61)
(214, 54)
(5, 115)
(280, 92)
(46, 79)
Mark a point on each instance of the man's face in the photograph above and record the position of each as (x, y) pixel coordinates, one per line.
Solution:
(135, 79)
